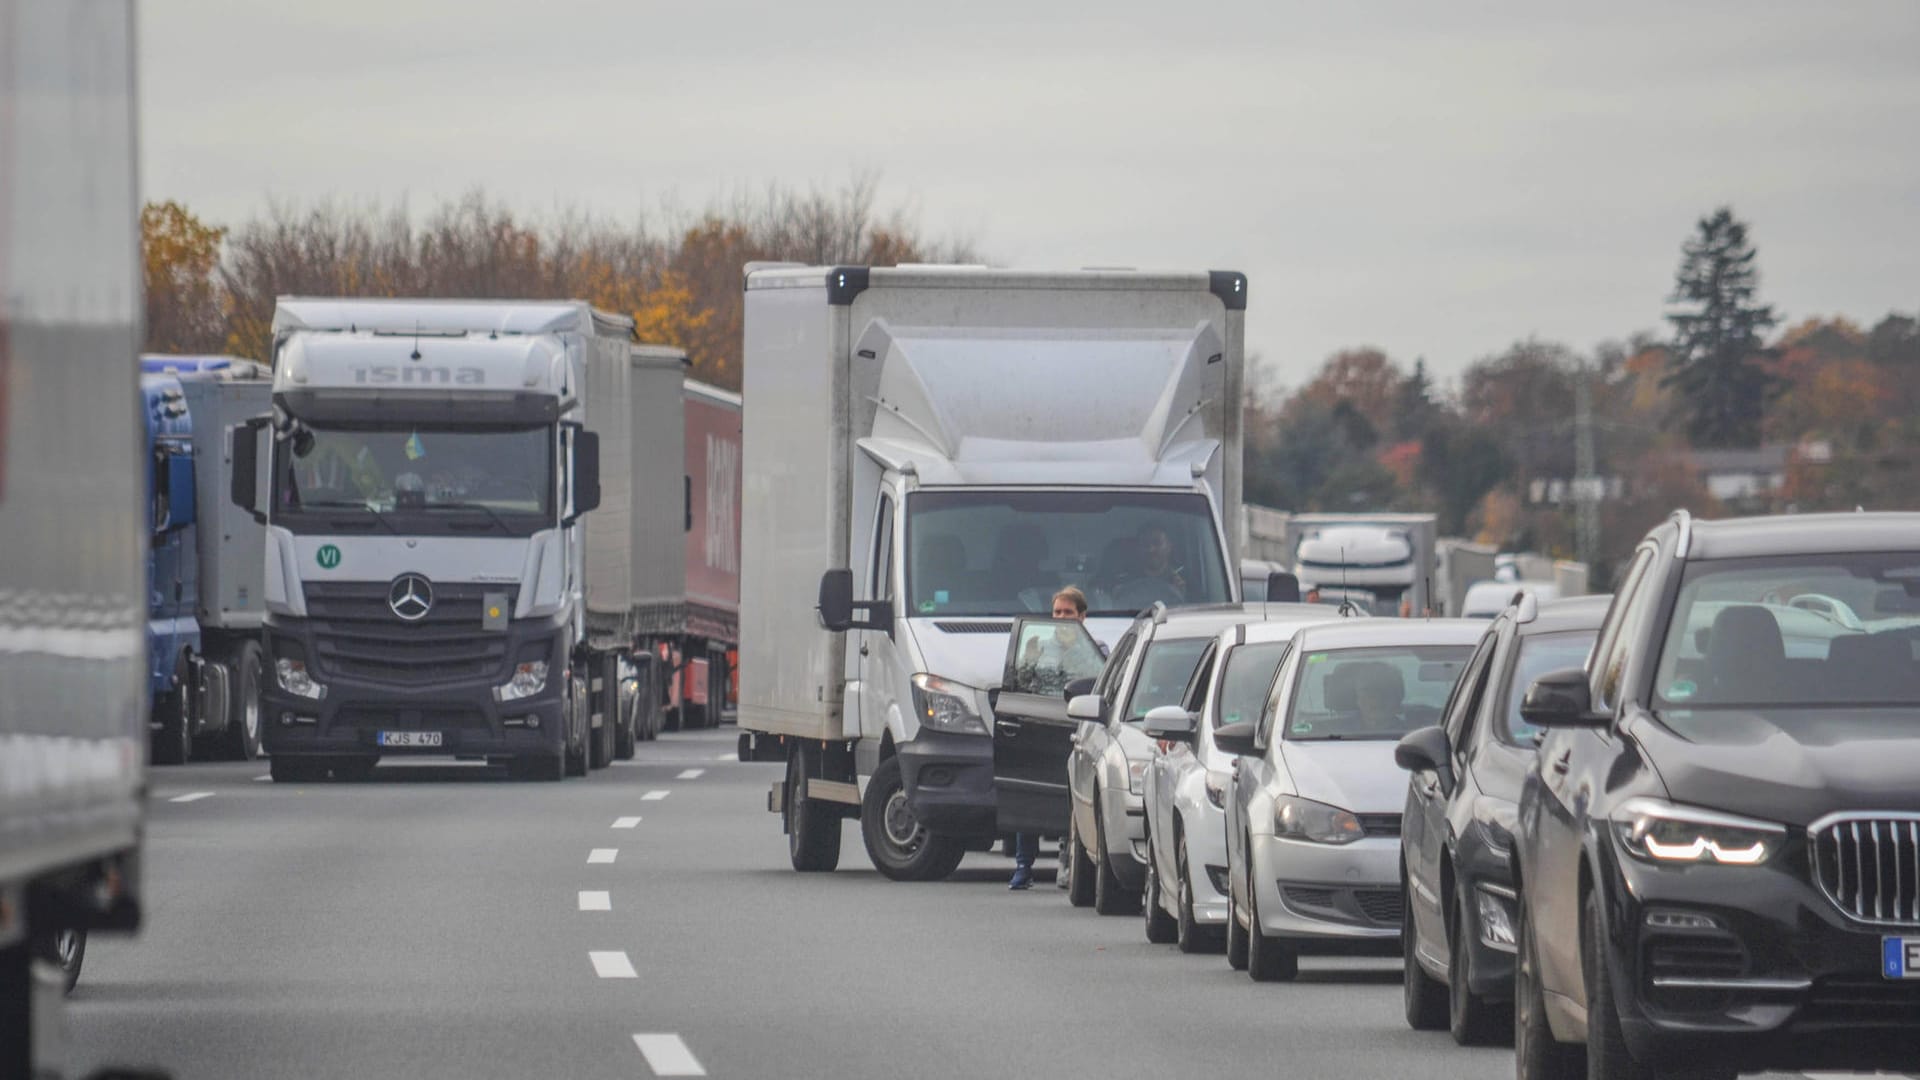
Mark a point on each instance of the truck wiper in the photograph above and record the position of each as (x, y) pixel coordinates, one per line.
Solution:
(377, 515)
(482, 507)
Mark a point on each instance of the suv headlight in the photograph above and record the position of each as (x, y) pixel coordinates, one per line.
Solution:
(945, 705)
(1303, 819)
(528, 679)
(293, 678)
(1659, 831)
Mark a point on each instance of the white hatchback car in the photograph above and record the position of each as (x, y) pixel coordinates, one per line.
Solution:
(1186, 784)
(1314, 799)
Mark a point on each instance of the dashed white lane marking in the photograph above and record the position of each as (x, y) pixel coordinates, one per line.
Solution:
(596, 901)
(728, 757)
(263, 779)
(192, 797)
(667, 1056)
(654, 796)
(626, 822)
(612, 965)
(691, 774)
(602, 855)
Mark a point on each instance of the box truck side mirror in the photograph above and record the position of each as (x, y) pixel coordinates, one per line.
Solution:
(246, 467)
(586, 474)
(840, 612)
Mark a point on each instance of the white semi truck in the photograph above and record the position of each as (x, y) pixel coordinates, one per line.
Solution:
(930, 452)
(1389, 559)
(462, 506)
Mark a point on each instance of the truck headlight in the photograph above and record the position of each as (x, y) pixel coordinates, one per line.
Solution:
(1658, 831)
(528, 680)
(294, 679)
(1303, 819)
(945, 705)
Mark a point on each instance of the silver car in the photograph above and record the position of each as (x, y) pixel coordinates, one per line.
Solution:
(1186, 787)
(1315, 798)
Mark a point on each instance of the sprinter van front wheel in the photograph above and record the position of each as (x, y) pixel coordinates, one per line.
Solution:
(900, 846)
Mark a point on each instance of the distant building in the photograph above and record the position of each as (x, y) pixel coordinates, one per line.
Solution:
(1735, 476)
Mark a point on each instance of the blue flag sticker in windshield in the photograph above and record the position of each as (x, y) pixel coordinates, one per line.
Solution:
(415, 448)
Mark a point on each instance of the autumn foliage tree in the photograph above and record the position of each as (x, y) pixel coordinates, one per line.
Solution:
(180, 261)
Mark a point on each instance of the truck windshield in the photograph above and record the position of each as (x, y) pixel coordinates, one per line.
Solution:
(1008, 552)
(418, 477)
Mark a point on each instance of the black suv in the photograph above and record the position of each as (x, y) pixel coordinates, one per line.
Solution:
(1718, 852)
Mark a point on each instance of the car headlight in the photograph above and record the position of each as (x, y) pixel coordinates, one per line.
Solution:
(1137, 776)
(1303, 819)
(945, 705)
(1498, 820)
(528, 680)
(294, 679)
(1216, 784)
(1659, 831)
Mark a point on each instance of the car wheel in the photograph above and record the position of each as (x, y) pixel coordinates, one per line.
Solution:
(1236, 936)
(1161, 929)
(1422, 995)
(1109, 896)
(243, 733)
(813, 829)
(1189, 935)
(1607, 1055)
(1473, 1020)
(1269, 959)
(1537, 1054)
(172, 743)
(900, 846)
(1079, 869)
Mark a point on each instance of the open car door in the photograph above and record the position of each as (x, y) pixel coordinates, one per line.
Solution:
(1032, 736)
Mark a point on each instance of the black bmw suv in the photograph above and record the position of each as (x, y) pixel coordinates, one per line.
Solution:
(1718, 851)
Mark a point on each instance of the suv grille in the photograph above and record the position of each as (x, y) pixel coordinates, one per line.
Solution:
(1869, 865)
(358, 636)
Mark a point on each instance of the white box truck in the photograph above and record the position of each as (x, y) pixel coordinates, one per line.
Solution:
(930, 452)
(435, 581)
(1383, 562)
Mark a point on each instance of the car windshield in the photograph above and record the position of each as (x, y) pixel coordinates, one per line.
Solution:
(1372, 693)
(1540, 655)
(1797, 632)
(1051, 654)
(508, 471)
(1008, 552)
(1247, 680)
(1165, 670)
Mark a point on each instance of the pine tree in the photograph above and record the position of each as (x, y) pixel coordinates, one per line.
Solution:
(1719, 362)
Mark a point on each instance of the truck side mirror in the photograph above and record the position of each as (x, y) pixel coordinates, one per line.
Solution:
(586, 473)
(1283, 588)
(245, 480)
(180, 491)
(839, 611)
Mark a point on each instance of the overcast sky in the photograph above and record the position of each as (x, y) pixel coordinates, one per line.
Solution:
(1435, 179)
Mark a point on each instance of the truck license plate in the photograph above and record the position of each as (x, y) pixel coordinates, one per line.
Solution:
(410, 738)
(1900, 957)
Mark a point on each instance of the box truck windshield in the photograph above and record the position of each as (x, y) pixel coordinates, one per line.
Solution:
(417, 476)
(1008, 552)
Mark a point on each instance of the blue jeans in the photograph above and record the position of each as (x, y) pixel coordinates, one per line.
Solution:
(1025, 847)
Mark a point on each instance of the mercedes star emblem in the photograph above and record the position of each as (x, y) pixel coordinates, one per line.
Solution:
(410, 597)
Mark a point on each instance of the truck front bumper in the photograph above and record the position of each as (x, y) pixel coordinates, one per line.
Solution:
(949, 782)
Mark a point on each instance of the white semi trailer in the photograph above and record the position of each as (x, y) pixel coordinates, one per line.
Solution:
(930, 452)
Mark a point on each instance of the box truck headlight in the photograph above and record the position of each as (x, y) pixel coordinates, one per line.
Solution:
(528, 680)
(945, 705)
(295, 680)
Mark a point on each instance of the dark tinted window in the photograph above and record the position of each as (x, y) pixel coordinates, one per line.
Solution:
(1165, 668)
(1247, 680)
(1540, 654)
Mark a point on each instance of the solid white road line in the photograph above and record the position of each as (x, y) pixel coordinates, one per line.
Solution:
(691, 774)
(602, 855)
(596, 901)
(653, 796)
(667, 1056)
(194, 797)
(626, 822)
(612, 965)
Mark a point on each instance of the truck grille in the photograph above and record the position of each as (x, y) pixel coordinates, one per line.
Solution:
(952, 627)
(1869, 865)
(357, 636)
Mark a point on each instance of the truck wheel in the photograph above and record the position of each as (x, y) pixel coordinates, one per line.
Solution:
(626, 733)
(901, 848)
(296, 770)
(65, 950)
(578, 732)
(172, 741)
(600, 742)
(243, 727)
(1079, 868)
(813, 829)
(540, 768)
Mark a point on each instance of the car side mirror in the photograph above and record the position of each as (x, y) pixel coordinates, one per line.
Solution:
(1427, 750)
(1236, 739)
(1076, 688)
(1084, 708)
(1283, 588)
(839, 612)
(586, 474)
(1170, 723)
(1560, 700)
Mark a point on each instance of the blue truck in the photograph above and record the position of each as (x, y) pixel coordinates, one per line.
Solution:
(204, 560)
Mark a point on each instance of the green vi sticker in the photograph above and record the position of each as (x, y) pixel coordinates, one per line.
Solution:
(328, 556)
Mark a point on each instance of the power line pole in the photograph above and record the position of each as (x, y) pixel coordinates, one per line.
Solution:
(1586, 482)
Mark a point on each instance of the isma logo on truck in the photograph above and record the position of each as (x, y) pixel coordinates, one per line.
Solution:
(391, 373)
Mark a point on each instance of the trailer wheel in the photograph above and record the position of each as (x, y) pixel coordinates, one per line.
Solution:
(900, 846)
(172, 740)
(813, 829)
(243, 727)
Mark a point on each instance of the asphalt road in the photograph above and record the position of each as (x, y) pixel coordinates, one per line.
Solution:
(441, 921)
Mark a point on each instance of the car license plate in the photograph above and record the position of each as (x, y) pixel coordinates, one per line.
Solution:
(1900, 957)
(411, 738)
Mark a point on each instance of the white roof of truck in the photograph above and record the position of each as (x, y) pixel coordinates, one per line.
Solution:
(447, 316)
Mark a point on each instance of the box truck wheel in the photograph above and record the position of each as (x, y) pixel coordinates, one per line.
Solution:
(64, 950)
(243, 726)
(813, 827)
(172, 739)
(901, 848)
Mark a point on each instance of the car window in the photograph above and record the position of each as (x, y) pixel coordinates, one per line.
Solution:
(1540, 654)
(1610, 657)
(1247, 680)
(1108, 682)
(1278, 697)
(1381, 692)
(1165, 668)
(1196, 695)
(1464, 700)
(1050, 654)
